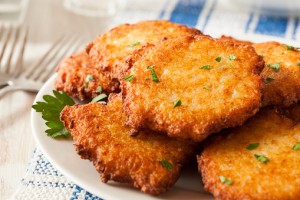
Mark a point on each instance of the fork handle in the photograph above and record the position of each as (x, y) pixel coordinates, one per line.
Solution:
(26, 87)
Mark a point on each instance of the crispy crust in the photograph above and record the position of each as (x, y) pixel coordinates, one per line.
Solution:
(100, 136)
(284, 90)
(110, 50)
(72, 73)
(234, 95)
(226, 155)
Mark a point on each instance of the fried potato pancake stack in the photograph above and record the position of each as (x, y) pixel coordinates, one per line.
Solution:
(281, 74)
(150, 162)
(216, 81)
(258, 160)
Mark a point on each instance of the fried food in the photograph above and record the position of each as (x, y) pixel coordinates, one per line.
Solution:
(269, 171)
(150, 162)
(217, 83)
(110, 50)
(72, 74)
(281, 74)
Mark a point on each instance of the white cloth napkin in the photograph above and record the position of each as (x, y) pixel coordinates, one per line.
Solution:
(215, 17)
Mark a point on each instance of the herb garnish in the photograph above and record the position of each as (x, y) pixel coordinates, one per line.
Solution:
(99, 89)
(252, 146)
(232, 57)
(166, 164)
(153, 74)
(207, 67)
(298, 64)
(133, 44)
(290, 48)
(261, 158)
(268, 80)
(51, 109)
(274, 66)
(177, 103)
(206, 87)
(88, 78)
(129, 78)
(225, 180)
(218, 59)
(99, 97)
(296, 146)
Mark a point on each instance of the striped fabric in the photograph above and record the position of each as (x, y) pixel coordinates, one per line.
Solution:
(214, 17)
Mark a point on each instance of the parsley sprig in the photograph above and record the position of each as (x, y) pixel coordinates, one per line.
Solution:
(50, 109)
(166, 164)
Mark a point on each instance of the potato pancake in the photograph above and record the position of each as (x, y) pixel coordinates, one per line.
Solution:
(259, 160)
(150, 162)
(192, 86)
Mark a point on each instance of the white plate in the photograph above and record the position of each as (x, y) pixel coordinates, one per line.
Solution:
(61, 153)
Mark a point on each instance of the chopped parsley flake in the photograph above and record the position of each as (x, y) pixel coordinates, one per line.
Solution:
(218, 59)
(298, 64)
(177, 103)
(133, 44)
(232, 57)
(225, 180)
(129, 78)
(166, 164)
(99, 89)
(269, 80)
(88, 78)
(261, 158)
(252, 146)
(153, 74)
(297, 146)
(274, 66)
(207, 67)
(206, 87)
(99, 97)
(291, 48)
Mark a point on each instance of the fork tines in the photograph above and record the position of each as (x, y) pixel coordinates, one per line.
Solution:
(12, 45)
(41, 71)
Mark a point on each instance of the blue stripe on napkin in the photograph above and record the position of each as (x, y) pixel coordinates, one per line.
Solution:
(296, 27)
(271, 25)
(187, 12)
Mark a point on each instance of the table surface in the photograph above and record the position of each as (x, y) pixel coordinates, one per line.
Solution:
(47, 20)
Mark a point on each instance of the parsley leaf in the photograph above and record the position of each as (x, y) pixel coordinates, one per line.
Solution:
(177, 103)
(218, 59)
(232, 57)
(129, 78)
(261, 158)
(88, 78)
(133, 44)
(99, 89)
(207, 67)
(206, 87)
(268, 80)
(153, 74)
(296, 146)
(50, 109)
(225, 180)
(252, 146)
(274, 66)
(166, 164)
(99, 97)
(298, 64)
(291, 48)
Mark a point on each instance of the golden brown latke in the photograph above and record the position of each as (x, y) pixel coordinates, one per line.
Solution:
(100, 136)
(110, 50)
(282, 86)
(227, 155)
(222, 96)
(72, 73)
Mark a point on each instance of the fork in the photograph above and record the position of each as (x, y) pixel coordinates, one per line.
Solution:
(33, 77)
